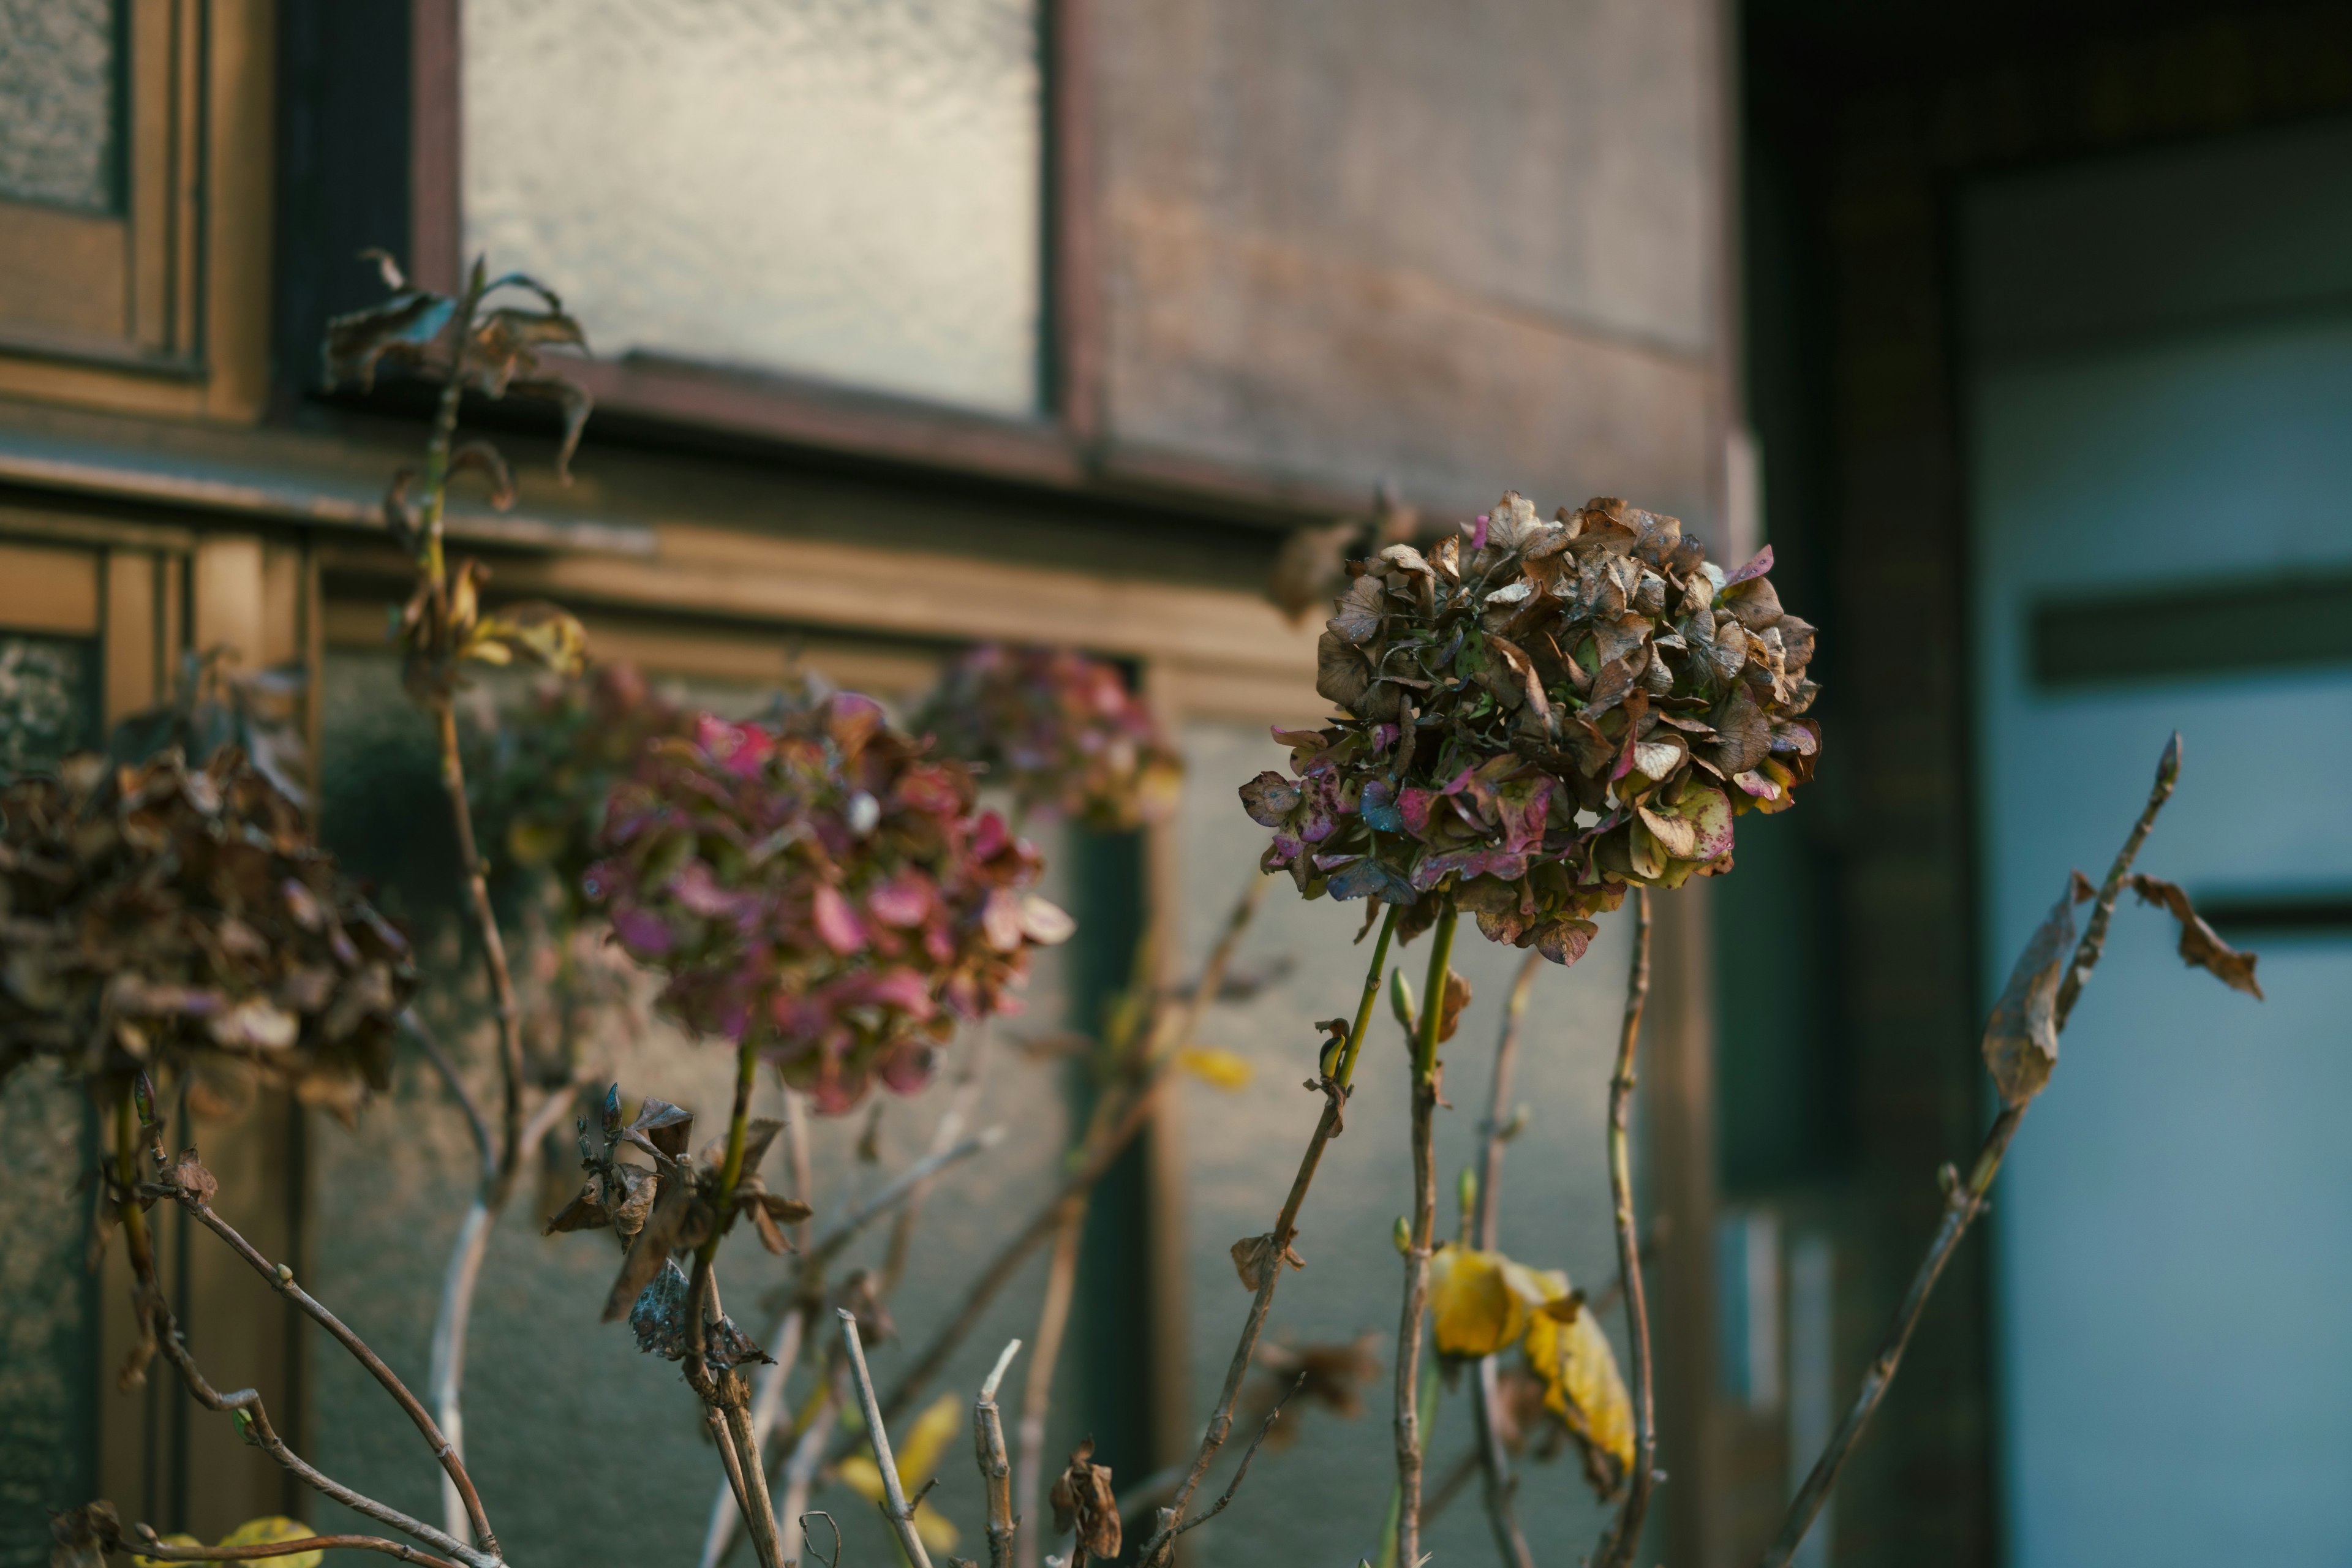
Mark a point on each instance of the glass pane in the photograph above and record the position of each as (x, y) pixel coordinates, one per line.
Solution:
(46, 1349)
(56, 101)
(45, 701)
(846, 189)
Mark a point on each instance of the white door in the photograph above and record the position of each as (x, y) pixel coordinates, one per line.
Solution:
(2160, 465)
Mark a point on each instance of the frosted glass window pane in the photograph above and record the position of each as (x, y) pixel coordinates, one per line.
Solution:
(846, 189)
(56, 101)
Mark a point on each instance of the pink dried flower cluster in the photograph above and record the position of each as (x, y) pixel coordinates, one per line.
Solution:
(818, 884)
(1060, 729)
(1536, 714)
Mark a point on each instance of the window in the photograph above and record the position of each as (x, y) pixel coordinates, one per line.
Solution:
(134, 172)
(850, 191)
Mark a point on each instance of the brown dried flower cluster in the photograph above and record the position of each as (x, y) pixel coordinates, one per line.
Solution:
(165, 915)
(1536, 715)
(668, 1210)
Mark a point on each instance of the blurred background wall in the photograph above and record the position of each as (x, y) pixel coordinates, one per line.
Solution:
(1051, 319)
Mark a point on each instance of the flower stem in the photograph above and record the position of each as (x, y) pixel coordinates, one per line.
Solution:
(1625, 1537)
(730, 1170)
(1424, 1227)
(1157, 1549)
(1965, 1199)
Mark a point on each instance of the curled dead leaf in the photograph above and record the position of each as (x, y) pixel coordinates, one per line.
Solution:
(1084, 1505)
(2020, 1038)
(1251, 1255)
(2200, 947)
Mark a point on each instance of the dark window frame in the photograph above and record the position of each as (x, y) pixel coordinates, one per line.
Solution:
(1060, 446)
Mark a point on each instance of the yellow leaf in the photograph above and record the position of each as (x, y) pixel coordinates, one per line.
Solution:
(1221, 1070)
(928, 1439)
(933, 1528)
(861, 1474)
(275, 1527)
(1476, 1311)
(918, 1456)
(167, 1540)
(1581, 1383)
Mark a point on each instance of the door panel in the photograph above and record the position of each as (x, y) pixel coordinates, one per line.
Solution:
(2174, 1230)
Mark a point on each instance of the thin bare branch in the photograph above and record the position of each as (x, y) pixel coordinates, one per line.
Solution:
(1625, 1537)
(1425, 1236)
(157, 1551)
(995, 1469)
(767, 1536)
(767, 1404)
(1241, 1472)
(281, 1280)
(254, 1425)
(485, 1142)
(1157, 1549)
(808, 1456)
(1037, 1392)
(895, 1506)
(1965, 1199)
(1488, 1454)
(730, 1460)
(1120, 1118)
(945, 1132)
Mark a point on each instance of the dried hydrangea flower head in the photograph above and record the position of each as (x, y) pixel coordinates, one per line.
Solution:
(160, 916)
(814, 882)
(1536, 715)
(541, 785)
(1061, 730)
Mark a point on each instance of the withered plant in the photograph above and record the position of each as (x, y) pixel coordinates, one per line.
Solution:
(1531, 721)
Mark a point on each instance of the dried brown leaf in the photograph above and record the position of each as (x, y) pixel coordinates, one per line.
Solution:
(2200, 947)
(1083, 1504)
(2020, 1039)
(1250, 1256)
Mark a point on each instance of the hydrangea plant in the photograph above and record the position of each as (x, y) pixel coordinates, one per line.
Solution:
(1061, 730)
(158, 914)
(819, 885)
(1535, 716)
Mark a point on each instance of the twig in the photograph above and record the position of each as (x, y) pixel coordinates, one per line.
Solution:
(808, 1454)
(1495, 1131)
(157, 1551)
(281, 1280)
(767, 1536)
(895, 1506)
(1487, 1454)
(1442, 1497)
(1241, 1472)
(1037, 1392)
(1157, 1549)
(159, 1330)
(944, 1134)
(730, 1460)
(1625, 1537)
(1501, 1484)
(1965, 1199)
(446, 1363)
(1424, 1236)
(768, 1400)
(1103, 1152)
(995, 1469)
(485, 1142)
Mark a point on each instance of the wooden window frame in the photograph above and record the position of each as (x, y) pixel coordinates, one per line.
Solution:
(189, 237)
(1049, 446)
(1066, 446)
